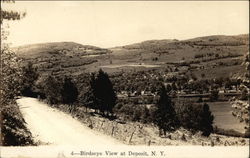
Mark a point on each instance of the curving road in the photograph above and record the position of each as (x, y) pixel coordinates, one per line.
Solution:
(54, 127)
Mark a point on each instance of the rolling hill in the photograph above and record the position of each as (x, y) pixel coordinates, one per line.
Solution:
(60, 57)
(216, 56)
(70, 48)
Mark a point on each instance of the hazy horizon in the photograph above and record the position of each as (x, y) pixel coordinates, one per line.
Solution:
(110, 24)
(125, 44)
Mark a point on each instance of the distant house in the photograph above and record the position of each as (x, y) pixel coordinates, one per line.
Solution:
(147, 93)
(232, 91)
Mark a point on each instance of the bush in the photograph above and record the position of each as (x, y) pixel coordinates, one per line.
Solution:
(134, 112)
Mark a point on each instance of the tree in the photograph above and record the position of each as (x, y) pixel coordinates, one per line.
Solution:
(197, 117)
(9, 63)
(104, 92)
(29, 76)
(69, 91)
(100, 94)
(10, 75)
(52, 89)
(206, 120)
(13, 128)
(165, 116)
(88, 99)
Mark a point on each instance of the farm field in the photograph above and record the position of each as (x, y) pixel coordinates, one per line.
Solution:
(130, 65)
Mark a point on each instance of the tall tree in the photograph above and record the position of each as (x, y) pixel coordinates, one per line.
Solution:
(206, 120)
(197, 117)
(88, 99)
(165, 116)
(104, 92)
(29, 76)
(9, 63)
(69, 91)
(52, 89)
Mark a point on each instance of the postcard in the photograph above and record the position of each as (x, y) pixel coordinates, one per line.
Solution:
(124, 79)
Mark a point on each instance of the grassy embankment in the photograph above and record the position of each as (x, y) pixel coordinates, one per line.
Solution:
(146, 134)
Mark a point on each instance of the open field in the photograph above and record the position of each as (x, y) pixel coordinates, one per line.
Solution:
(130, 65)
(216, 54)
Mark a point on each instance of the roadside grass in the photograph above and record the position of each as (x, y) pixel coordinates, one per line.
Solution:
(136, 133)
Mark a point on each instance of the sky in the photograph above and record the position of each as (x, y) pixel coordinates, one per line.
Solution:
(115, 23)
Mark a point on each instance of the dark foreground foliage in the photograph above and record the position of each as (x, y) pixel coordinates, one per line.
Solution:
(13, 130)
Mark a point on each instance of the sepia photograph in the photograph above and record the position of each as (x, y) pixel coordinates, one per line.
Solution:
(124, 79)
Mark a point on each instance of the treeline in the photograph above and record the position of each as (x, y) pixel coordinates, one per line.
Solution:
(150, 81)
(97, 93)
(169, 116)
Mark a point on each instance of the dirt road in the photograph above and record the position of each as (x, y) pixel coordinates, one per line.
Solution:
(54, 127)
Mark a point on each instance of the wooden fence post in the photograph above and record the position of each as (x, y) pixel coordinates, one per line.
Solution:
(130, 139)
